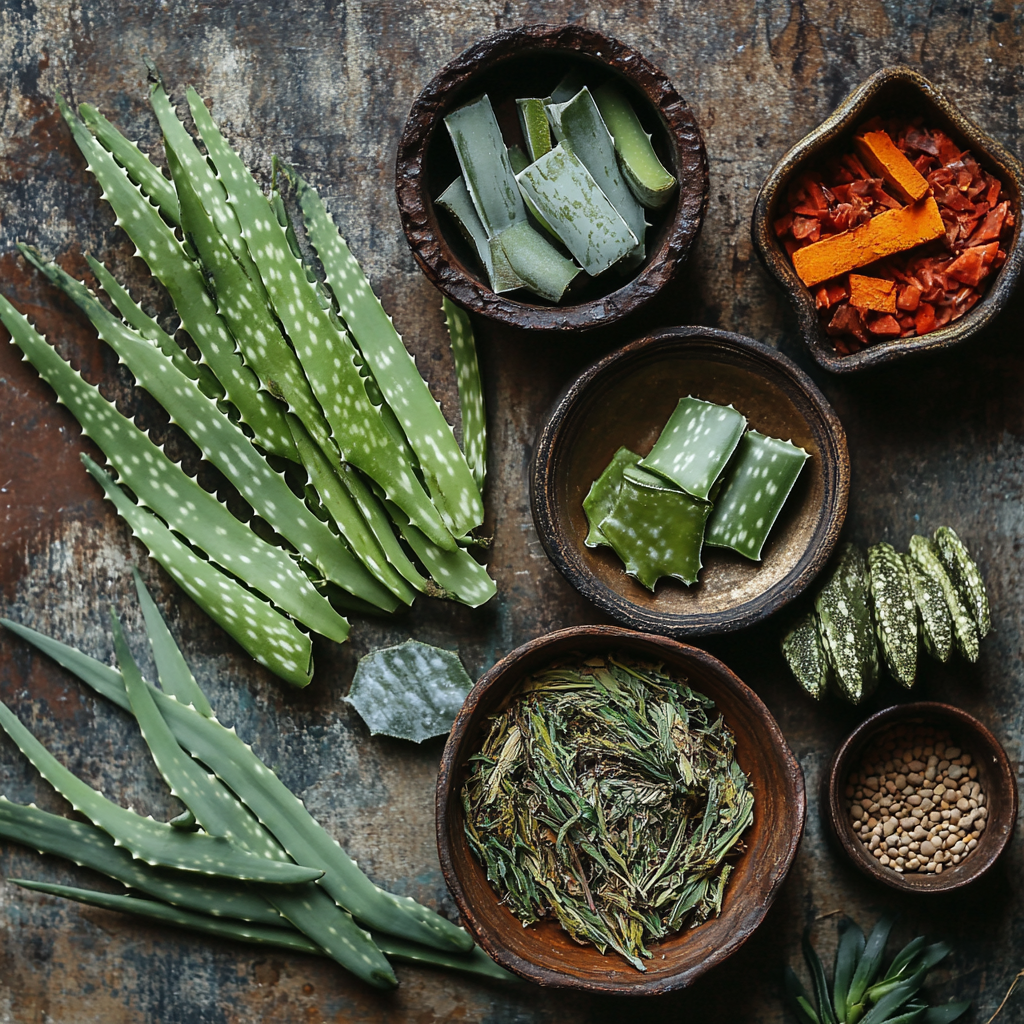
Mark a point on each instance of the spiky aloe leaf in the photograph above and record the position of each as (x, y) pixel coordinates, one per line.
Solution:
(471, 392)
(171, 266)
(604, 493)
(825, 1009)
(804, 652)
(326, 355)
(965, 576)
(965, 632)
(869, 963)
(934, 620)
(892, 601)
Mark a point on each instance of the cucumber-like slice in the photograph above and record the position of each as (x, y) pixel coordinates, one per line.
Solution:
(892, 602)
(965, 576)
(965, 633)
(933, 616)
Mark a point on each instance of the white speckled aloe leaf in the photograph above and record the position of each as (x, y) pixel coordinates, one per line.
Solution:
(892, 602)
(804, 652)
(933, 616)
(471, 390)
(695, 445)
(965, 632)
(603, 494)
(755, 487)
(457, 201)
(536, 262)
(411, 691)
(965, 577)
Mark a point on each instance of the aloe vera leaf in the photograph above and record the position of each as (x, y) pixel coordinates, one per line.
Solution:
(892, 601)
(925, 553)
(933, 619)
(533, 120)
(603, 494)
(696, 444)
(825, 1010)
(578, 124)
(538, 264)
(568, 85)
(483, 158)
(90, 847)
(965, 577)
(163, 254)
(754, 489)
(848, 953)
(582, 216)
(327, 356)
(520, 161)
(804, 652)
(448, 475)
(893, 1000)
(411, 691)
(456, 200)
(800, 998)
(946, 1013)
(870, 960)
(139, 167)
(904, 958)
(656, 532)
(645, 174)
(471, 391)
(268, 636)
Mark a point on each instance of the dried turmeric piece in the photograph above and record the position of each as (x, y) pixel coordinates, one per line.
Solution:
(889, 233)
(881, 156)
(872, 293)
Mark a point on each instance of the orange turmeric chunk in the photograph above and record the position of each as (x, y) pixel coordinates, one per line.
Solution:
(889, 233)
(872, 293)
(884, 159)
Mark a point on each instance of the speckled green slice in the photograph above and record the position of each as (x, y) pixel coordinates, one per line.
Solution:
(965, 633)
(804, 651)
(933, 616)
(754, 489)
(603, 494)
(644, 478)
(892, 601)
(534, 122)
(696, 444)
(536, 262)
(456, 200)
(657, 533)
(965, 576)
(520, 161)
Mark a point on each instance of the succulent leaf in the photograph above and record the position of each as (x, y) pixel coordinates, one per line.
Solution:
(805, 654)
(892, 601)
(965, 576)
(965, 632)
(934, 620)
(604, 493)
(471, 392)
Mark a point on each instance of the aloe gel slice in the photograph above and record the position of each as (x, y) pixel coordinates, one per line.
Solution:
(657, 532)
(696, 444)
(604, 493)
(520, 161)
(754, 490)
(644, 172)
(455, 199)
(582, 216)
(534, 122)
(540, 266)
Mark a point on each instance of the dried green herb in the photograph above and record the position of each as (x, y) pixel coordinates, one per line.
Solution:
(607, 795)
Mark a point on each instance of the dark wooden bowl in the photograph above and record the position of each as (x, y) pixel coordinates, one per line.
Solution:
(625, 399)
(995, 774)
(902, 90)
(543, 952)
(530, 61)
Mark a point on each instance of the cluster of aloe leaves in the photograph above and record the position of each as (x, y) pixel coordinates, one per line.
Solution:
(861, 993)
(880, 607)
(304, 397)
(246, 860)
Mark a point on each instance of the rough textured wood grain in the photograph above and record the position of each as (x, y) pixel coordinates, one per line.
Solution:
(329, 86)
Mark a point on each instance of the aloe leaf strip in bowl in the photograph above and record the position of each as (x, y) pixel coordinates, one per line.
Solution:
(603, 494)
(541, 267)
(520, 161)
(533, 120)
(470, 387)
(459, 204)
(925, 553)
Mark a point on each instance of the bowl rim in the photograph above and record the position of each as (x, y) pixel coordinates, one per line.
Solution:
(842, 120)
(773, 739)
(972, 732)
(569, 561)
(416, 206)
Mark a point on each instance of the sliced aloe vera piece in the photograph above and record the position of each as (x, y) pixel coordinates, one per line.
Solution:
(754, 489)
(471, 391)
(578, 124)
(533, 120)
(485, 165)
(656, 532)
(536, 262)
(696, 444)
(569, 84)
(965, 633)
(569, 199)
(934, 620)
(644, 172)
(457, 201)
(892, 601)
(520, 161)
(965, 576)
(604, 493)
(804, 652)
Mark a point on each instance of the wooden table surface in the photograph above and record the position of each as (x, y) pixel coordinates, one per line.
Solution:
(328, 86)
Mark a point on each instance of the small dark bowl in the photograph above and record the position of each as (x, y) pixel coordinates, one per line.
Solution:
(995, 774)
(886, 91)
(625, 399)
(530, 61)
(543, 952)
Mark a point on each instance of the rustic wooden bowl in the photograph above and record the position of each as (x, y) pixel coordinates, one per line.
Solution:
(543, 952)
(995, 774)
(625, 399)
(530, 61)
(890, 89)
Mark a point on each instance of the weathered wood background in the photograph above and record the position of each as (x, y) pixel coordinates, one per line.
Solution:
(328, 86)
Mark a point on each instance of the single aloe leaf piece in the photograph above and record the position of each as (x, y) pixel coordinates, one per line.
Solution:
(965, 577)
(804, 652)
(814, 965)
(537, 263)
(476, 961)
(457, 201)
(568, 85)
(645, 174)
(604, 493)
(870, 960)
(933, 618)
(471, 390)
(800, 998)
(754, 489)
(520, 161)
(534, 122)
(848, 953)
(904, 958)
(411, 691)
(892, 601)
(925, 553)
(448, 475)
(571, 201)
(893, 1000)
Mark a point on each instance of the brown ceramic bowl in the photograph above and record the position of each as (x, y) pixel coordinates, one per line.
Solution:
(625, 399)
(530, 61)
(892, 89)
(995, 774)
(543, 952)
